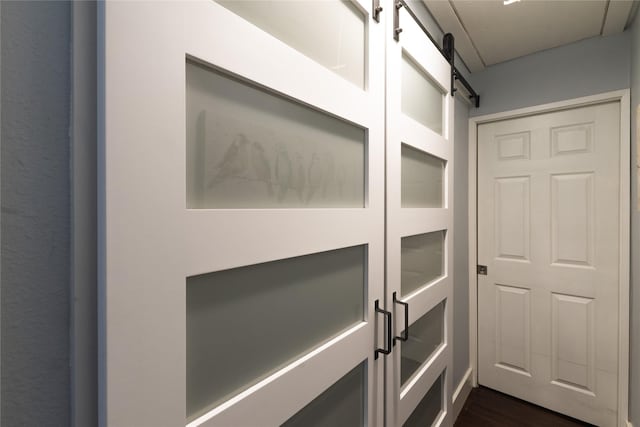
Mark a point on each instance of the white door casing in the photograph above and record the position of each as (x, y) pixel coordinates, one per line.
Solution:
(549, 231)
(406, 133)
(150, 243)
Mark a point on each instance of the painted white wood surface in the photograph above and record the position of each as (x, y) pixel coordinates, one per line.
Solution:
(549, 232)
(150, 242)
(402, 222)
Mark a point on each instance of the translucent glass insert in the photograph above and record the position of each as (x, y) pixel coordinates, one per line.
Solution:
(422, 179)
(425, 336)
(245, 323)
(342, 404)
(330, 32)
(422, 98)
(430, 407)
(249, 148)
(421, 261)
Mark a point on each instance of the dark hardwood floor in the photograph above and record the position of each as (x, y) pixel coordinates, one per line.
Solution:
(487, 408)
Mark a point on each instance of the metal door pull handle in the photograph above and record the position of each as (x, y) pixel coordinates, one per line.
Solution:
(405, 334)
(387, 315)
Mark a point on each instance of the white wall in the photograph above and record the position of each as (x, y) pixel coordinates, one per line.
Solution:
(587, 67)
(634, 383)
(35, 218)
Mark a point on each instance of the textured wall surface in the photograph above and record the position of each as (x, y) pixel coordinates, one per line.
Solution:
(587, 67)
(84, 340)
(634, 383)
(35, 48)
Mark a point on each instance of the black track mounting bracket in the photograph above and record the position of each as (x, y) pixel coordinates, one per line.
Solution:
(376, 10)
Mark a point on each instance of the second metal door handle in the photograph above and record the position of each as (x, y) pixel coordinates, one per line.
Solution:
(405, 334)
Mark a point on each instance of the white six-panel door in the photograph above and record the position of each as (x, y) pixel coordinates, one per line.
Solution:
(548, 232)
(419, 228)
(242, 213)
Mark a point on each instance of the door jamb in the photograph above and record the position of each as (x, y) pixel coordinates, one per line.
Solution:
(623, 97)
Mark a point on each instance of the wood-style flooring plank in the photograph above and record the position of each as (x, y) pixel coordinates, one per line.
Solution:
(489, 408)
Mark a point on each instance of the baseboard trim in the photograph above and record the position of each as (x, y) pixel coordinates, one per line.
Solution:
(461, 394)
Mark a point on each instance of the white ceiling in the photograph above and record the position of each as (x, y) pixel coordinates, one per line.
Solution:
(488, 32)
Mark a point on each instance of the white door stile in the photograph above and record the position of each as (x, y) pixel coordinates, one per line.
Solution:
(403, 222)
(152, 242)
(625, 259)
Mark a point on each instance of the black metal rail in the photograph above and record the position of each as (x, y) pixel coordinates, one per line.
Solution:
(447, 49)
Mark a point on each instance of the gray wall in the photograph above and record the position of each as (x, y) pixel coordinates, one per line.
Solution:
(587, 67)
(35, 225)
(634, 386)
(84, 340)
(461, 362)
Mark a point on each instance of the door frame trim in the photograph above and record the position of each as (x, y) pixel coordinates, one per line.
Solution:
(623, 97)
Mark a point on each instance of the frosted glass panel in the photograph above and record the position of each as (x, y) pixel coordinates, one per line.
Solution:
(249, 148)
(330, 32)
(421, 261)
(425, 336)
(422, 99)
(245, 323)
(342, 404)
(428, 410)
(422, 179)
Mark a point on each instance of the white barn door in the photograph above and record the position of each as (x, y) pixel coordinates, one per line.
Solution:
(419, 228)
(242, 213)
